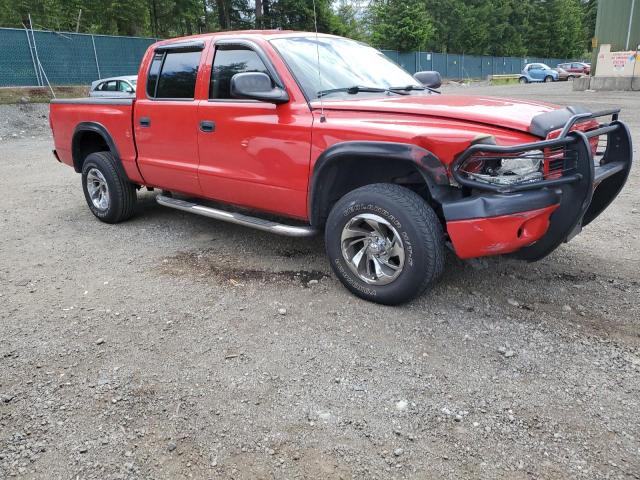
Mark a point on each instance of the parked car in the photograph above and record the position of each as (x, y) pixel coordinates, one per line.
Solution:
(576, 67)
(114, 87)
(538, 72)
(389, 169)
(563, 75)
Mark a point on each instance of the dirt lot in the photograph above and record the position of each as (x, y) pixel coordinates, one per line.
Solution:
(174, 346)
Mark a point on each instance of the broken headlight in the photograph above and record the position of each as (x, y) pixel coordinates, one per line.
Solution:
(505, 169)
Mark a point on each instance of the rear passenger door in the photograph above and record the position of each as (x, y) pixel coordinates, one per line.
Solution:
(165, 119)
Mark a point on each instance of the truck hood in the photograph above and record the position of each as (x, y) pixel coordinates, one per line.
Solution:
(502, 112)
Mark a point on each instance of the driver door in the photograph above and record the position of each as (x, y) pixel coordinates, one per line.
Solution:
(536, 72)
(252, 153)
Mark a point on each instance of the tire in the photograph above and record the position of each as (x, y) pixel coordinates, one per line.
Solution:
(548, 79)
(400, 214)
(523, 80)
(570, 78)
(100, 180)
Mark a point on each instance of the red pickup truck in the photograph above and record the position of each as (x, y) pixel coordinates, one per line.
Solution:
(295, 133)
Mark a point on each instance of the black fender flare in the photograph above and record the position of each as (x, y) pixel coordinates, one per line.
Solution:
(426, 163)
(100, 129)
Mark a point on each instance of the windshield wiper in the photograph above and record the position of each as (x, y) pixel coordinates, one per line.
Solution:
(357, 89)
(409, 88)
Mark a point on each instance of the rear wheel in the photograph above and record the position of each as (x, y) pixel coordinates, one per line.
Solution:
(570, 78)
(523, 80)
(110, 197)
(548, 79)
(385, 243)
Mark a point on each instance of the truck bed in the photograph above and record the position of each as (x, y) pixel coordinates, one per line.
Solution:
(88, 116)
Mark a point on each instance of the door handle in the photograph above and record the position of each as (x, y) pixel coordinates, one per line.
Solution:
(145, 122)
(207, 126)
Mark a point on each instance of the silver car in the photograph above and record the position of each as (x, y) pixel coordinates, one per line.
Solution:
(114, 87)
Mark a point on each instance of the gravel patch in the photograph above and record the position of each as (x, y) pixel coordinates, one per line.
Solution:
(174, 346)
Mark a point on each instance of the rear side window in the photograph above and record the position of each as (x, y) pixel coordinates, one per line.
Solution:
(173, 75)
(154, 71)
(228, 61)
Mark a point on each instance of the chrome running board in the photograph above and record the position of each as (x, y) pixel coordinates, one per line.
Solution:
(238, 218)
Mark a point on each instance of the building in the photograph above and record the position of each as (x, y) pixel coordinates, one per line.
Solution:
(618, 24)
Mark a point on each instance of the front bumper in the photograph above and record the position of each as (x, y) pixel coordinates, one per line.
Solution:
(532, 219)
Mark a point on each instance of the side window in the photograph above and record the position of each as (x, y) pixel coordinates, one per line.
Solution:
(178, 75)
(109, 86)
(228, 61)
(154, 72)
(123, 86)
(173, 74)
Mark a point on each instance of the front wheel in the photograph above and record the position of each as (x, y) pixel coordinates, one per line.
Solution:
(548, 79)
(523, 80)
(385, 243)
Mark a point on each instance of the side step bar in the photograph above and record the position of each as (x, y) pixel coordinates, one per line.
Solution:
(238, 218)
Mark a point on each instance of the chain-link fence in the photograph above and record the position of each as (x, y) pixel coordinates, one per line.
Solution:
(463, 67)
(66, 58)
(76, 58)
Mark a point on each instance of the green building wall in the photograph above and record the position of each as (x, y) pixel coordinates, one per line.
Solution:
(612, 25)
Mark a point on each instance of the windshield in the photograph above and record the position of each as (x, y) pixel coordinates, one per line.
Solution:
(345, 64)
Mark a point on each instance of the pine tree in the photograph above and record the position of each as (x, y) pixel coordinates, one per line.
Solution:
(400, 24)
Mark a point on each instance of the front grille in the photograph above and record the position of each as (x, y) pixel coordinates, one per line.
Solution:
(600, 149)
(558, 161)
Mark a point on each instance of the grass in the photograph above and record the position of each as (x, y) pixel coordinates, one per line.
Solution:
(9, 95)
(504, 80)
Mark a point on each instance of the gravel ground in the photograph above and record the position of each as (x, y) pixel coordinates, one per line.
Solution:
(174, 346)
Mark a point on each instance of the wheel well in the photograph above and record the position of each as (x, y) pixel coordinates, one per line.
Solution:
(86, 142)
(350, 173)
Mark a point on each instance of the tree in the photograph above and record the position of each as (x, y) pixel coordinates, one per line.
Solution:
(589, 14)
(298, 15)
(400, 24)
(349, 20)
(544, 28)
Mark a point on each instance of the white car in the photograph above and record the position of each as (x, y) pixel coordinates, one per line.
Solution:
(114, 87)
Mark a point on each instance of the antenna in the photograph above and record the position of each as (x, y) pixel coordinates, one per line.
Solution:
(315, 24)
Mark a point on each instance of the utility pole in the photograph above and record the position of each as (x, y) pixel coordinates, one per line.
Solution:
(258, 13)
(78, 22)
(633, 8)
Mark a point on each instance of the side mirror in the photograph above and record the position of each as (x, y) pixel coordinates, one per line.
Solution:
(257, 86)
(429, 79)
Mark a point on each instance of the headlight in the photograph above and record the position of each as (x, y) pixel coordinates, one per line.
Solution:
(505, 170)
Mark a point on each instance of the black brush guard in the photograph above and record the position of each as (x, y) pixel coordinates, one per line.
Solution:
(584, 192)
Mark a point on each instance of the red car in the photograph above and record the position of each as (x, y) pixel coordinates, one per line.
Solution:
(391, 170)
(576, 67)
